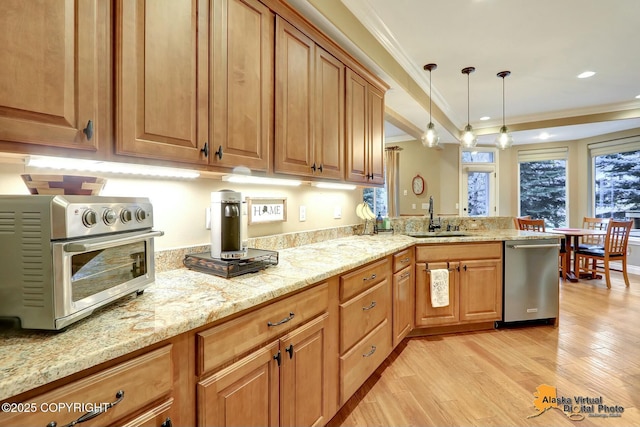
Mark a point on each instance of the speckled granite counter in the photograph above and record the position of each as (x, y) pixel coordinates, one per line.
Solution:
(181, 300)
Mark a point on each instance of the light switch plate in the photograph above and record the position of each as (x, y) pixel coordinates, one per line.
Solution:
(303, 213)
(337, 212)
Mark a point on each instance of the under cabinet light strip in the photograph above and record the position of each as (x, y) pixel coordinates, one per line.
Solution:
(334, 185)
(62, 163)
(250, 179)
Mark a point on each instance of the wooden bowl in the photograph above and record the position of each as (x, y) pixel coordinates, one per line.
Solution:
(64, 184)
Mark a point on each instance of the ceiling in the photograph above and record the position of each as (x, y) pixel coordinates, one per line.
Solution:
(544, 43)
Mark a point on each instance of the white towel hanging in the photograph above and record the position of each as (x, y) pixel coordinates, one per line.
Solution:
(439, 287)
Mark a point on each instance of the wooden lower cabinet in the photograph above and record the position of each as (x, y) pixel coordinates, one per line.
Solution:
(475, 283)
(403, 304)
(281, 384)
(140, 391)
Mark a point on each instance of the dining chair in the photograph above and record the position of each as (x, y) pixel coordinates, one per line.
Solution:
(614, 249)
(516, 220)
(593, 241)
(530, 224)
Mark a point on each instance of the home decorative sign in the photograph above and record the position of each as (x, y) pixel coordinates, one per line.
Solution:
(265, 209)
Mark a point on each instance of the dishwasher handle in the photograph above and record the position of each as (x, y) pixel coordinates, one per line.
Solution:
(552, 245)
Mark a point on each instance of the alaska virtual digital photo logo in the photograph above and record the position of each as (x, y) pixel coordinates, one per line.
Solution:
(575, 408)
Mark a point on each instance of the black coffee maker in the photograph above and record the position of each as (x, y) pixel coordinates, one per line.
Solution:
(226, 215)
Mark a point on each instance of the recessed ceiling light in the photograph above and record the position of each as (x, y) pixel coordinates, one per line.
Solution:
(586, 74)
(483, 118)
(544, 135)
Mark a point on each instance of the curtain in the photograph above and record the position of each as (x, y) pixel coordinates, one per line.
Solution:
(392, 168)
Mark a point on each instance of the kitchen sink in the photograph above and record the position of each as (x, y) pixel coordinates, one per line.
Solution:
(436, 234)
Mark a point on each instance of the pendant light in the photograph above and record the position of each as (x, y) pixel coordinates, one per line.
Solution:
(504, 139)
(430, 138)
(469, 139)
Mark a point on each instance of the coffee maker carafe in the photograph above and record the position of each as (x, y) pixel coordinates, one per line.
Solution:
(226, 235)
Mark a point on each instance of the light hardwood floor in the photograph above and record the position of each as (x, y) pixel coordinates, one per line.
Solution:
(488, 378)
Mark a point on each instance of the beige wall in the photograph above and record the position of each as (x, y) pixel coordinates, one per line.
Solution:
(179, 205)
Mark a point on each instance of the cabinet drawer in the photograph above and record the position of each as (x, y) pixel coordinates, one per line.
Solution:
(402, 259)
(361, 314)
(363, 278)
(458, 251)
(157, 416)
(360, 362)
(220, 344)
(143, 380)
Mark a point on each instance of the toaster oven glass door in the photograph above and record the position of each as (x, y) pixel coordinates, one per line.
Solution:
(96, 271)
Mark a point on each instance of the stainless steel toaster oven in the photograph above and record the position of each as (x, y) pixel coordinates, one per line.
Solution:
(62, 257)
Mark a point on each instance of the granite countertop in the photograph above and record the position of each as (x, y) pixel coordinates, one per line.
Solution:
(180, 300)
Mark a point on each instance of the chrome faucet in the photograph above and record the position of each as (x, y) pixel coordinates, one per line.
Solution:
(432, 225)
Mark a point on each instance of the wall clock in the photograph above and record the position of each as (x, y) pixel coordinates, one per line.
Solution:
(417, 185)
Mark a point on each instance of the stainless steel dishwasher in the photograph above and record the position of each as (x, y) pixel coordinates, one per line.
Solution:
(531, 280)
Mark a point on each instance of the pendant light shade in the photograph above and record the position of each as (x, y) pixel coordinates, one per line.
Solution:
(504, 139)
(469, 139)
(430, 137)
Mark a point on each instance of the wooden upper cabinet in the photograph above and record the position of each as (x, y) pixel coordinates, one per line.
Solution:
(162, 79)
(329, 110)
(294, 106)
(365, 130)
(242, 77)
(50, 53)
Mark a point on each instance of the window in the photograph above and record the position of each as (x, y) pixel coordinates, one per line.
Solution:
(377, 200)
(543, 185)
(616, 180)
(479, 182)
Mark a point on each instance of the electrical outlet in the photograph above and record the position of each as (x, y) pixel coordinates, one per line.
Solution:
(303, 213)
(413, 205)
(337, 212)
(404, 192)
(207, 218)
(425, 206)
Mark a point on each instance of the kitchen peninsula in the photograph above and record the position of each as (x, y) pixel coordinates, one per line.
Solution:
(175, 336)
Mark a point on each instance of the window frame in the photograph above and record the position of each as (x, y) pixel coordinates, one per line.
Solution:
(490, 167)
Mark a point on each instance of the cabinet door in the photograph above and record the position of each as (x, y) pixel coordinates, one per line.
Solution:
(329, 121)
(242, 77)
(375, 143)
(426, 315)
(356, 127)
(304, 387)
(403, 303)
(162, 79)
(244, 394)
(480, 290)
(294, 116)
(49, 79)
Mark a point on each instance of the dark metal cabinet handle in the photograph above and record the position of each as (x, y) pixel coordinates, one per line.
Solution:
(278, 357)
(405, 275)
(407, 259)
(167, 423)
(313, 166)
(373, 276)
(205, 149)
(285, 320)
(88, 130)
(289, 350)
(370, 306)
(465, 267)
(320, 168)
(92, 414)
(370, 353)
(219, 153)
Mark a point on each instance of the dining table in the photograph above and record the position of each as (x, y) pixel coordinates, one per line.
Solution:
(572, 241)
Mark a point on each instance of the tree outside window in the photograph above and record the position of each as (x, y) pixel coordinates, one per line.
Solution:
(543, 191)
(617, 184)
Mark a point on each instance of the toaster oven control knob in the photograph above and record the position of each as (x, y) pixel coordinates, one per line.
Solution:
(125, 216)
(89, 218)
(141, 215)
(109, 216)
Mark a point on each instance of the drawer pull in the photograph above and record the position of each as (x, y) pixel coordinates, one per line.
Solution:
(92, 414)
(373, 304)
(285, 320)
(407, 259)
(167, 423)
(370, 353)
(289, 350)
(373, 276)
(405, 275)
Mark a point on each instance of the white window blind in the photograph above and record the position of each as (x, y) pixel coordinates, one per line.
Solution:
(615, 146)
(559, 153)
